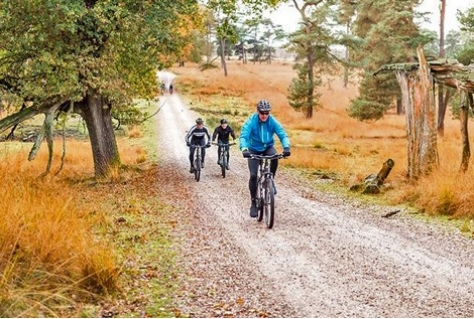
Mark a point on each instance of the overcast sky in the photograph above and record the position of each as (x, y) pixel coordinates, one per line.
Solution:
(288, 17)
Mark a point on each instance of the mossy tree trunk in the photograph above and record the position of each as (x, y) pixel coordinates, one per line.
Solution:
(98, 118)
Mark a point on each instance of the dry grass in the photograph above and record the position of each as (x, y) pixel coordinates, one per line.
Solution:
(332, 141)
(52, 256)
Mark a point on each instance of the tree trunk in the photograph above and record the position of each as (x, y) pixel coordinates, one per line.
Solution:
(400, 110)
(442, 100)
(223, 63)
(310, 58)
(98, 118)
(442, 14)
(347, 58)
(464, 119)
(420, 111)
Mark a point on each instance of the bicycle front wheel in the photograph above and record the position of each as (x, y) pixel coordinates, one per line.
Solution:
(269, 203)
(197, 170)
(223, 165)
(260, 201)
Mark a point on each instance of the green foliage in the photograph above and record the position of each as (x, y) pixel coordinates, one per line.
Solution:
(389, 36)
(453, 43)
(61, 49)
(131, 115)
(300, 88)
(466, 55)
(198, 49)
(312, 44)
(430, 42)
(364, 110)
(466, 19)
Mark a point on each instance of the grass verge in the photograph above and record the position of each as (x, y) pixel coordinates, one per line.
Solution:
(74, 247)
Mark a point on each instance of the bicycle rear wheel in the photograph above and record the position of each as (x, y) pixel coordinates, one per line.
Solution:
(197, 169)
(269, 207)
(260, 199)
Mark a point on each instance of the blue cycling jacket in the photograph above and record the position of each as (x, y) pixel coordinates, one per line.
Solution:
(258, 136)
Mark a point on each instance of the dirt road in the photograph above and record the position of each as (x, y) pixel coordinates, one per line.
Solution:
(325, 256)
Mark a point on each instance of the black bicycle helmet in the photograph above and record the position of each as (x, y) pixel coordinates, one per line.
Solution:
(199, 120)
(264, 106)
(223, 121)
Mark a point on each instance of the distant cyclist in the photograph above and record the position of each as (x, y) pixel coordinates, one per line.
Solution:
(222, 133)
(197, 135)
(256, 137)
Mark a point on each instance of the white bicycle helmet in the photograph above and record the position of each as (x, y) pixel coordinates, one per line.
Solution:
(264, 106)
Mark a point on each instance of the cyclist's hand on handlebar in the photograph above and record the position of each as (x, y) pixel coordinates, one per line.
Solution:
(286, 151)
(246, 153)
(188, 144)
(208, 144)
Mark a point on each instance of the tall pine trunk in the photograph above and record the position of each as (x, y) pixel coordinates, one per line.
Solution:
(98, 118)
(442, 98)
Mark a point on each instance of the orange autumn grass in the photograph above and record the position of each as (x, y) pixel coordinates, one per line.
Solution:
(50, 257)
(332, 141)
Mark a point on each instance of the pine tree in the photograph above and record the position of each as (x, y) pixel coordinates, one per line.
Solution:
(389, 35)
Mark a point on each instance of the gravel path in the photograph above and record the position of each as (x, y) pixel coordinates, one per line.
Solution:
(325, 256)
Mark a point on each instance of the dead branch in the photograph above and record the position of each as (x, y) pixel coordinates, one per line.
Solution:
(63, 156)
(391, 213)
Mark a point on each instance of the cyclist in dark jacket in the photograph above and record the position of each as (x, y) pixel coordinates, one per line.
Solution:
(197, 135)
(222, 133)
(256, 137)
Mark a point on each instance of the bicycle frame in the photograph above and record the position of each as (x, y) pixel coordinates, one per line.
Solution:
(197, 161)
(223, 155)
(265, 188)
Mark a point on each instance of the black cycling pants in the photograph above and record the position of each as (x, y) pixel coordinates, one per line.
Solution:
(201, 142)
(253, 168)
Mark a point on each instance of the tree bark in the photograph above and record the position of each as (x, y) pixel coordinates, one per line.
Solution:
(442, 14)
(400, 110)
(18, 117)
(418, 99)
(98, 118)
(386, 169)
(442, 99)
(223, 63)
(466, 104)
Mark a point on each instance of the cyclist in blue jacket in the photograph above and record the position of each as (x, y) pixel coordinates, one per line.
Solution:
(256, 137)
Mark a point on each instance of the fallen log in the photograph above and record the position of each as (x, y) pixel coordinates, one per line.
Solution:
(373, 182)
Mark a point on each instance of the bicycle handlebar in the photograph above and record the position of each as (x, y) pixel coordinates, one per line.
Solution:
(197, 145)
(223, 144)
(269, 157)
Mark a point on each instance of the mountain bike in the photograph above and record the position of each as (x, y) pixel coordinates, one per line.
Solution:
(223, 156)
(265, 189)
(197, 160)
